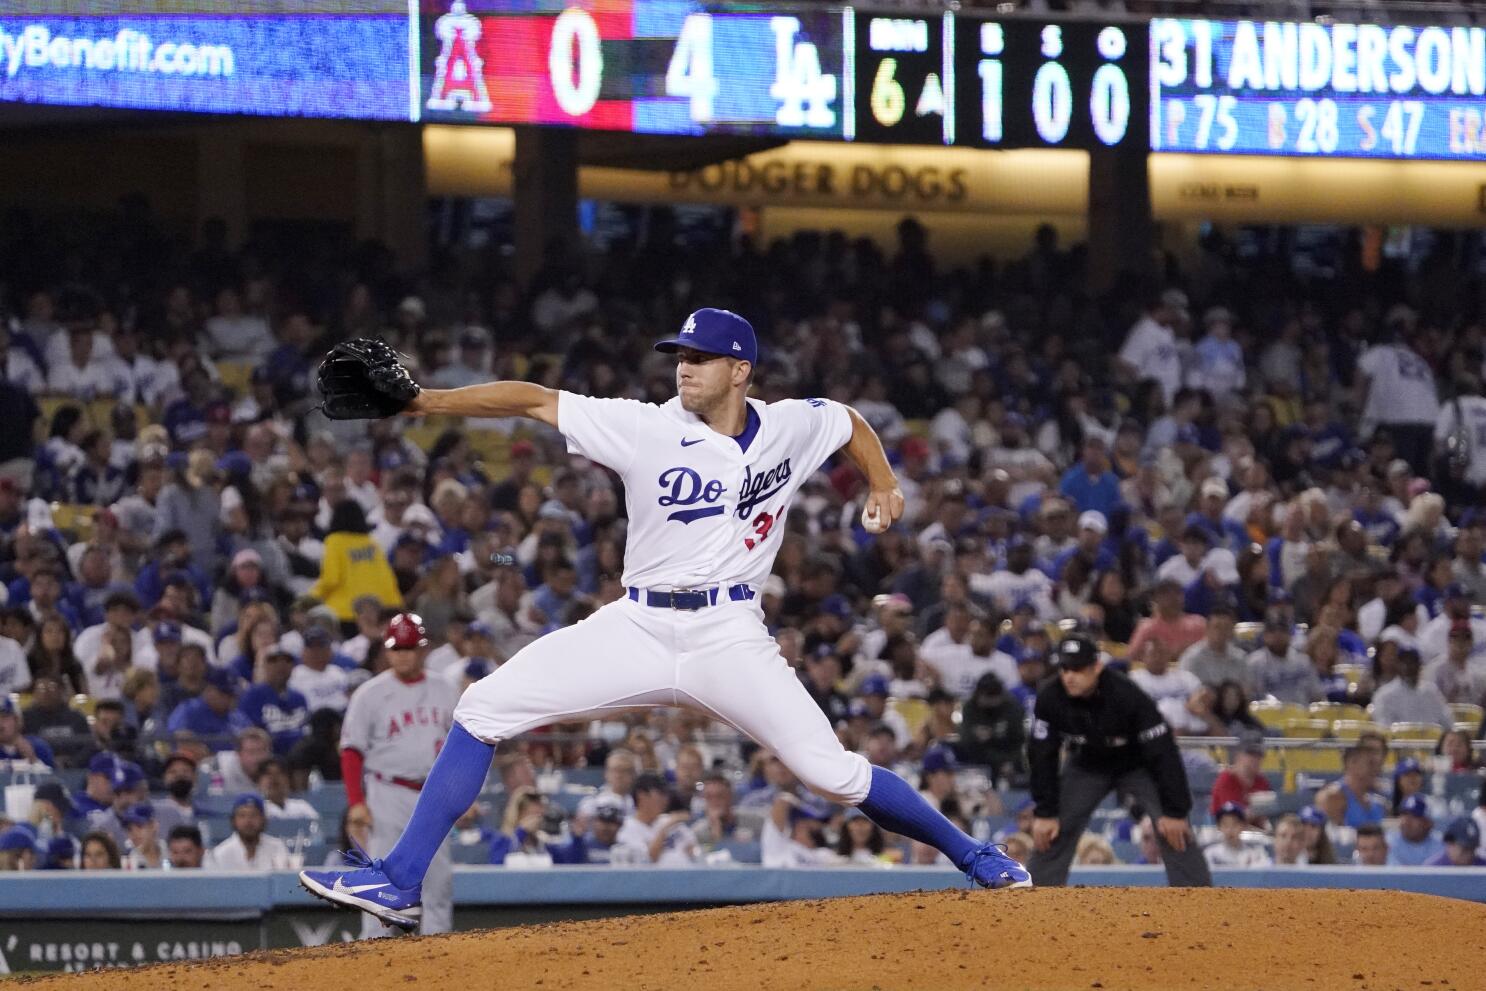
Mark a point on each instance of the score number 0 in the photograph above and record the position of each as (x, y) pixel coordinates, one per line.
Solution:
(575, 64)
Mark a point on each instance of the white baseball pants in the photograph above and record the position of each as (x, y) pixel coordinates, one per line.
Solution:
(719, 660)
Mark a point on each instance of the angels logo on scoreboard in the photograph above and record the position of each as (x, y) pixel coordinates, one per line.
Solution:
(459, 74)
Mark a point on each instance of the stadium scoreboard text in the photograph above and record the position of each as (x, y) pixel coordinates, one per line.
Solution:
(1355, 90)
(668, 67)
(684, 67)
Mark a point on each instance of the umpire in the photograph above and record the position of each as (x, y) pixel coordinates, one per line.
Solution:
(1117, 741)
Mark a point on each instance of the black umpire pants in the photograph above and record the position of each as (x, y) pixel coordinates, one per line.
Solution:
(1080, 792)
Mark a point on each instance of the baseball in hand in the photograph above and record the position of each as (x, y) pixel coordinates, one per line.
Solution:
(872, 520)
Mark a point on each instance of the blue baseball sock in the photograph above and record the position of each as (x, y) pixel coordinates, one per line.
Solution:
(895, 806)
(455, 781)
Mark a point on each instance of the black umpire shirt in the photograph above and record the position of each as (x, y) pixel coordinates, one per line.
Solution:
(1114, 729)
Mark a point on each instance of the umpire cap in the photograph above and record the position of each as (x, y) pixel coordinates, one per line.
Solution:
(1075, 652)
(405, 632)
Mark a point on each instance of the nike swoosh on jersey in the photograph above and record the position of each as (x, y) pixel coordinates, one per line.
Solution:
(689, 443)
(340, 886)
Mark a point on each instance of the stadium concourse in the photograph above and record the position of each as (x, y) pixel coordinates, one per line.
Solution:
(1257, 485)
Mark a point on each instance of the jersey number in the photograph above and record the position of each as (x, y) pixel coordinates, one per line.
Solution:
(761, 526)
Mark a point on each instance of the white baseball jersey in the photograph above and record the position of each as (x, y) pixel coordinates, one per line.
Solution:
(1402, 386)
(702, 511)
(324, 689)
(399, 726)
(1468, 415)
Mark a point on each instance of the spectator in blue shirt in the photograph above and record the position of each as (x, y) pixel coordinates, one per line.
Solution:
(1092, 483)
(1224, 532)
(105, 774)
(559, 588)
(15, 745)
(213, 715)
(172, 560)
(273, 705)
(1462, 837)
(1091, 546)
(1413, 842)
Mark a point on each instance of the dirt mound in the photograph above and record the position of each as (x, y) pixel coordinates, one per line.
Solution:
(1111, 938)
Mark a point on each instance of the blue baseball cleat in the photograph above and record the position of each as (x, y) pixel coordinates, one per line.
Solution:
(364, 886)
(990, 867)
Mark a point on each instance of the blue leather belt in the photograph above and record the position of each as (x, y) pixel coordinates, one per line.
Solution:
(689, 598)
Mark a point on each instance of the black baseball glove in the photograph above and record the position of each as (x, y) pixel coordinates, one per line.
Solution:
(365, 379)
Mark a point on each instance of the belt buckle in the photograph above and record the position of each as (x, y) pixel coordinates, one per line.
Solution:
(685, 591)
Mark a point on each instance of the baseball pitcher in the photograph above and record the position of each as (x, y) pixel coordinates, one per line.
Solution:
(708, 480)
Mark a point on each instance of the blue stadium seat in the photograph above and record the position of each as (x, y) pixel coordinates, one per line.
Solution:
(744, 853)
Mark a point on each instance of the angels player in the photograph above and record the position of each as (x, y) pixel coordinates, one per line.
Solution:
(708, 479)
(393, 729)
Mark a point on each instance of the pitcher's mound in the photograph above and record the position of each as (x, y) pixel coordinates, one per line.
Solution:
(1112, 938)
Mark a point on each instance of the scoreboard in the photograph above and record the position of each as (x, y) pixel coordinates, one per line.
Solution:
(681, 67)
(1355, 90)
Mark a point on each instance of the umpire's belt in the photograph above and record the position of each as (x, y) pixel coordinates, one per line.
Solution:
(690, 598)
(414, 783)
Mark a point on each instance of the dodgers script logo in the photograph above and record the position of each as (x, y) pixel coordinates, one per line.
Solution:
(459, 72)
(686, 488)
(757, 488)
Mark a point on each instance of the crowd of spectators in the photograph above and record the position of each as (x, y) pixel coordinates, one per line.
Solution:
(1253, 482)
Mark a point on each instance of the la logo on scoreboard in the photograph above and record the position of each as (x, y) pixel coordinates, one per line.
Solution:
(459, 72)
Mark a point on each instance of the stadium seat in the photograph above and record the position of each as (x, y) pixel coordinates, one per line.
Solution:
(913, 711)
(1467, 712)
(470, 853)
(1423, 732)
(1274, 714)
(74, 519)
(1356, 674)
(743, 853)
(1352, 729)
(1246, 635)
(1307, 729)
(236, 375)
(295, 829)
(1333, 711)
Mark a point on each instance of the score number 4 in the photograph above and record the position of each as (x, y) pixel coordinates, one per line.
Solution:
(804, 93)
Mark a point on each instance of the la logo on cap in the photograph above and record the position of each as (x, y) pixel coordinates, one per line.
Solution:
(690, 327)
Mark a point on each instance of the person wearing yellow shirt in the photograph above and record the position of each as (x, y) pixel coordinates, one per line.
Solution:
(354, 565)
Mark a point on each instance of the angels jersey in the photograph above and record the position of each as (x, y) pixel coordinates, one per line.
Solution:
(702, 510)
(399, 726)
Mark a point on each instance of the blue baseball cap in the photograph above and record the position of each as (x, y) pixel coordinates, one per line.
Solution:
(248, 798)
(109, 766)
(1312, 816)
(130, 775)
(316, 636)
(940, 758)
(61, 851)
(873, 684)
(1463, 831)
(1414, 805)
(17, 838)
(166, 631)
(1230, 809)
(715, 332)
(222, 680)
(1408, 765)
(138, 815)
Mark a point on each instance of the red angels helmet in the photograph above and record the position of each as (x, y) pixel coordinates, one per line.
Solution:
(405, 632)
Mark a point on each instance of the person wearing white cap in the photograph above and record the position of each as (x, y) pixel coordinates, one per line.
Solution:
(1092, 528)
(1212, 500)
